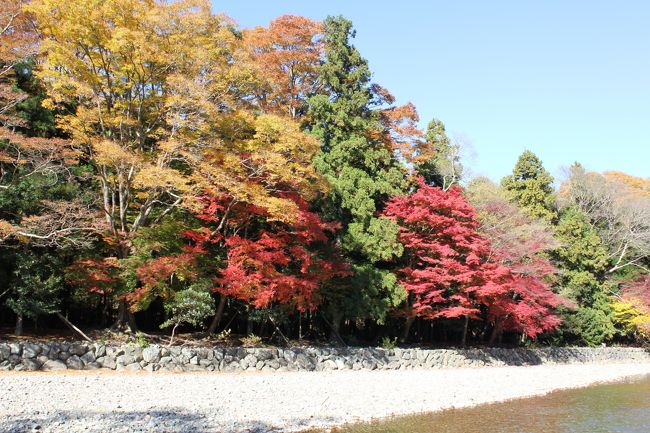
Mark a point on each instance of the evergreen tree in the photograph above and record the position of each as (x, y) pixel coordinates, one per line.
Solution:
(531, 187)
(362, 173)
(444, 169)
(35, 285)
(583, 261)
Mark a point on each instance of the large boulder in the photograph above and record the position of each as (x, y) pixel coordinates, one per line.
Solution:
(31, 364)
(126, 359)
(74, 363)
(31, 350)
(54, 365)
(107, 362)
(304, 362)
(5, 351)
(134, 351)
(15, 349)
(89, 357)
(78, 349)
(151, 354)
(133, 367)
(100, 350)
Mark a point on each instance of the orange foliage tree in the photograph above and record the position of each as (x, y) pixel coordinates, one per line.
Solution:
(288, 54)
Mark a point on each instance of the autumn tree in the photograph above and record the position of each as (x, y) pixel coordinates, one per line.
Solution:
(448, 272)
(24, 150)
(43, 210)
(288, 54)
(531, 187)
(619, 207)
(159, 91)
(116, 62)
(279, 263)
(512, 231)
(362, 172)
(631, 309)
(520, 242)
(18, 42)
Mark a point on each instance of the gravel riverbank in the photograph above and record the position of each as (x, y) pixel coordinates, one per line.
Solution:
(94, 402)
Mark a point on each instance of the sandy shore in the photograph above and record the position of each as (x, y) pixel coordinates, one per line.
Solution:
(91, 402)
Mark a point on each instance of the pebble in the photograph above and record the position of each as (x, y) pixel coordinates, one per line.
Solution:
(95, 402)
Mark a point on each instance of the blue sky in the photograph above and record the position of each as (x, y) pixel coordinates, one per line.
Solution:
(569, 80)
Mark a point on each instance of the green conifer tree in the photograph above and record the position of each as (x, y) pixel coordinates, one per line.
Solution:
(531, 187)
(583, 261)
(444, 169)
(362, 173)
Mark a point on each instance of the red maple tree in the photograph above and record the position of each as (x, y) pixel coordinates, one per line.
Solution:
(450, 270)
(268, 261)
(638, 289)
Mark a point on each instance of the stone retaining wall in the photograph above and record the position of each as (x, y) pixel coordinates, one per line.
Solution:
(81, 356)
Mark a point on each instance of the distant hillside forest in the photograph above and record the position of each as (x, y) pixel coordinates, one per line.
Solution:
(162, 168)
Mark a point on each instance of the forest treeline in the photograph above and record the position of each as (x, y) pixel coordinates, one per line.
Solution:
(160, 166)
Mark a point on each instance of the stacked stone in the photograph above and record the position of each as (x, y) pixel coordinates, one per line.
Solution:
(29, 356)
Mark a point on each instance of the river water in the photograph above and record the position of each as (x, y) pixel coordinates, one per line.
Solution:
(612, 408)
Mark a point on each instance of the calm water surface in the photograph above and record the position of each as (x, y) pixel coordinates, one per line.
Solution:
(614, 408)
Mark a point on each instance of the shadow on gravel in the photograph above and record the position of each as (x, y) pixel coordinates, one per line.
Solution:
(155, 421)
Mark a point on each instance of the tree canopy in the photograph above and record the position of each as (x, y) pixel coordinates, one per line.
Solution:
(161, 167)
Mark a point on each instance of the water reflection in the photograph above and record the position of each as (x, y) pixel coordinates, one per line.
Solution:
(614, 408)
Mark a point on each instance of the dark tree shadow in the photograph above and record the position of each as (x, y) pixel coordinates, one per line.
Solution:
(154, 421)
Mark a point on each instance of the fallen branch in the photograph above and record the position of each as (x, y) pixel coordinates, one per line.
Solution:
(286, 340)
(74, 328)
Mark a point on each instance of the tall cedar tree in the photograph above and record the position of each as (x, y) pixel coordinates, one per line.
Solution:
(583, 261)
(531, 187)
(443, 168)
(362, 172)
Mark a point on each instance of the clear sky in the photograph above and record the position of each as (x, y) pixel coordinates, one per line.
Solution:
(569, 80)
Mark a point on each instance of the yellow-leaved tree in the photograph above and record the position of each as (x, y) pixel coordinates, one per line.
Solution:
(162, 94)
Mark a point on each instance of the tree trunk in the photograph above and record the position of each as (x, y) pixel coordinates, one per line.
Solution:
(125, 319)
(19, 325)
(407, 328)
(218, 315)
(105, 311)
(465, 327)
(496, 333)
(335, 328)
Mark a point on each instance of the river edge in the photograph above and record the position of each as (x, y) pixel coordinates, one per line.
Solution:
(271, 402)
(369, 423)
(621, 406)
